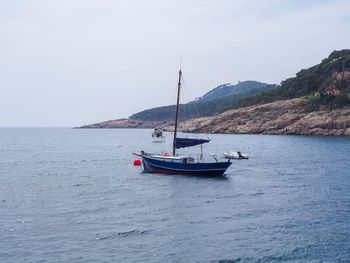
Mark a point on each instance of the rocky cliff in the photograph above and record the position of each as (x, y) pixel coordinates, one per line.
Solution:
(280, 117)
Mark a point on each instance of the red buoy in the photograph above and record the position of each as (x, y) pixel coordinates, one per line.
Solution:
(137, 162)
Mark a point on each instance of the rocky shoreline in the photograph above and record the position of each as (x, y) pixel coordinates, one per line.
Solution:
(127, 124)
(289, 117)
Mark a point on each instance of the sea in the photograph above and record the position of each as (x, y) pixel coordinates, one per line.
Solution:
(74, 195)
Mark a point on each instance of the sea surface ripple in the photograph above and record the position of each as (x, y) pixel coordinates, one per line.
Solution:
(72, 195)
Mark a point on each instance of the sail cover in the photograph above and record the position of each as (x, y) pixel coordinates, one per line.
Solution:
(187, 142)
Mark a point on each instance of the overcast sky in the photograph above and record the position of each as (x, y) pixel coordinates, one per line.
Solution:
(74, 62)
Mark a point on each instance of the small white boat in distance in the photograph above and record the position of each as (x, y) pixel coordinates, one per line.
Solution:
(235, 155)
(157, 135)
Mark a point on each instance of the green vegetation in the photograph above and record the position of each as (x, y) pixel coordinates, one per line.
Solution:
(198, 108)
(327, 77)
(324, 85)
(237, 89)
(313, 99)
(318, 77)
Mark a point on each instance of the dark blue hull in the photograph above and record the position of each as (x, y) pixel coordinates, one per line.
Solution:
(199, 169)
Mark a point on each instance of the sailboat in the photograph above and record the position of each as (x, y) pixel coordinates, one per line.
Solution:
(182, 164)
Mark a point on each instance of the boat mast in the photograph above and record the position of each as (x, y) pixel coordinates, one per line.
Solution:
(177, 111)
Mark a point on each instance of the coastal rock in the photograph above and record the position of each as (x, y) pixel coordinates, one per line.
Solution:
(280, 117)
(128, 123)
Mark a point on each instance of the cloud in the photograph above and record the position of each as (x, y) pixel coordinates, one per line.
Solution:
(71, 62)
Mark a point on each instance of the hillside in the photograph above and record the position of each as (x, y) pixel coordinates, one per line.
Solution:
(211, 103)
(229, 89)
(315, 102)
(328, 83)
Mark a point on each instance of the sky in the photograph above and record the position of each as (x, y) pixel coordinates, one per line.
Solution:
(73, 62)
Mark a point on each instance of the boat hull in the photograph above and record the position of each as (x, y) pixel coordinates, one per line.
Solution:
(158, 139)
(152, 165)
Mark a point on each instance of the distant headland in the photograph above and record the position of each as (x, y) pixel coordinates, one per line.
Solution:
(314, 102)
